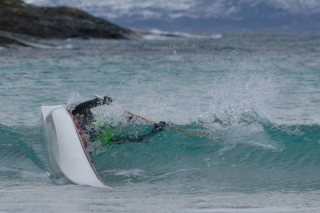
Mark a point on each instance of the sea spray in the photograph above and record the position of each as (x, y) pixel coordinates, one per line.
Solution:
(253, 97)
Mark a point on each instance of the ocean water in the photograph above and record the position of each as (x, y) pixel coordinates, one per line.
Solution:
(253, 99)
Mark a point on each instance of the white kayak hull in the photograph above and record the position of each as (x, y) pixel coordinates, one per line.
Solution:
(67, 150)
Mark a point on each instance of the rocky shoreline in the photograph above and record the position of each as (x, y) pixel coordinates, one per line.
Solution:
(18, 18)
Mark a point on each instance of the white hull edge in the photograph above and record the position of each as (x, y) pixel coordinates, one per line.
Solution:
(66, 149)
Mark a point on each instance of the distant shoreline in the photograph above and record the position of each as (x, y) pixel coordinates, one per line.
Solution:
(19, 18)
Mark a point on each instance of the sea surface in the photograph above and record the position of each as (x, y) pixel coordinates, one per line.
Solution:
(252, 99)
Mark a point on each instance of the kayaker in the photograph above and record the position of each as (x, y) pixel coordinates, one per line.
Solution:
(89, 126)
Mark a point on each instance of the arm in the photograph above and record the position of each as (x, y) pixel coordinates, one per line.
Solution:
(158, 127)
(84, 108)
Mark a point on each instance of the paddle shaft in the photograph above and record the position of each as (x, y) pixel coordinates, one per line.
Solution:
(152, 121)
(128, 111)
(188, 132)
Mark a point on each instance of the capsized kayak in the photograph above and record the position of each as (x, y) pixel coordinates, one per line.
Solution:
(67, 147)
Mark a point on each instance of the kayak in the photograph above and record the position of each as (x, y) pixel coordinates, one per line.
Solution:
(67, 147)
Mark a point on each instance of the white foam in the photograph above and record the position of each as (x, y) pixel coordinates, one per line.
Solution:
(130, 172)
(164, 35)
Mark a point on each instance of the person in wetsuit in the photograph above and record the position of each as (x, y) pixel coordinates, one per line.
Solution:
(86, 120)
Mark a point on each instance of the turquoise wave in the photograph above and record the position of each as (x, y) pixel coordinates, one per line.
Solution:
(23, 153)
(248, 155)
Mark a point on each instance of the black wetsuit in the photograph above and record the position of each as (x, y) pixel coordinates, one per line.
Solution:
(83, 110)
(85, 117)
